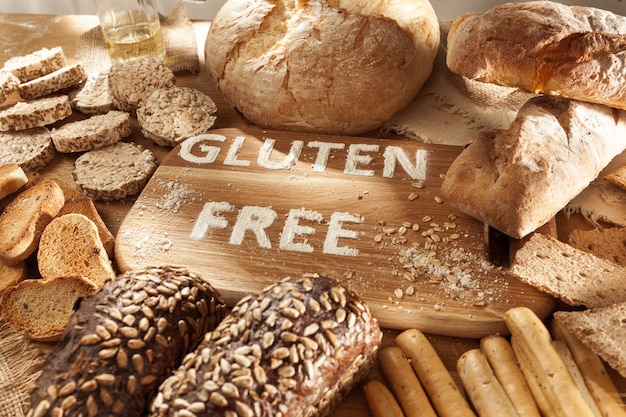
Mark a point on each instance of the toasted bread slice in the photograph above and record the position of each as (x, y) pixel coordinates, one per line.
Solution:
(11, 275)
(24, 219)
(12, 178)
(41, 308)
(71, 245)
(86, 207)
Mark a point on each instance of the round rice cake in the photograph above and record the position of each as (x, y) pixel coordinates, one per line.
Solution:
(31, 149)
(170, 115)
(114, 172)
(133, 80)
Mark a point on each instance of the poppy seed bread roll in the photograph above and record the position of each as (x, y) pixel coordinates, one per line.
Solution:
(295, 349)
(123, 341)
(321, 66)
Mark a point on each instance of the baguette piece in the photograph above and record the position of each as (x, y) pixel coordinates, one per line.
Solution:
(70, 245)
(66, 77)
(41, 309)
(123, 341)
(31, 149)
(114, 172)
(12, 178)
(85, 206)
(576, 277)
(294, 349)
(35, 113)
(600, 329)
(95, 132)
(36, 64)
(517, 179)
(25, 218)
(544, 47)
(93, 96)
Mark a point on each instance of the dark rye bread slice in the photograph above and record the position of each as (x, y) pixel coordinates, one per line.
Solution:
(114, 172)
(603, 330)
(296, 348)
(91, 133)
(35, 113)
(31, 149)
(124, 340)
(576, 277)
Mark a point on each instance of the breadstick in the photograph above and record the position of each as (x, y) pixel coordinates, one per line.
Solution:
(598, 381)
(380, 400)
(433, 374)
(404, 383)
(545, 364)
(482, 386)
(500, 356)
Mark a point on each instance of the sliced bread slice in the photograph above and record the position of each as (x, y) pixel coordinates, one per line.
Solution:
(603, 330)
(92, 133)
(86, 207)
(35, 113)
(25, 218)
(12, 178)
(36, 64)
(31, 149)
(66, 77)
(41, 308)
(576, 277)
(607, 243)
(71, 245)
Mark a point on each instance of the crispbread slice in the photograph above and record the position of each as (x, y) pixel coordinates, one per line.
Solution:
(41, 309)
(114, 172)
(603, 330)
(9, 84)
(71, 245)
(576, 277)
(93, 96)
(133, 80)
(24, 219)
(35, 113)
(31, 149)
(66, 77)
(170, 115)
(94, 132)
(36, 64)
(12, 178)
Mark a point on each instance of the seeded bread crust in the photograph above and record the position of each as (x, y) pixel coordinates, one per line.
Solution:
(114, 172)
(12, 178)
(66, 77)
(35, 113)
(24, 219)
(133, 80)
(36, 64)
(31, 149)
(170, 115)
(295, 349)
(70, 245)
(93, 96)
(124, 340)
(9, 84)
(41, 309)
(92, 133)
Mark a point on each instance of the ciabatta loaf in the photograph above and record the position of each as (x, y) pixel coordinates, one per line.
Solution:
(544, 47)
(123, 341)
(338, 66)
(23, 221)
(517, 179)
(294, 349)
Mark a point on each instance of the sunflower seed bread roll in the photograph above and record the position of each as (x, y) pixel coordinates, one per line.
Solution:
(544, 47)
(295, 349)
(123, 341)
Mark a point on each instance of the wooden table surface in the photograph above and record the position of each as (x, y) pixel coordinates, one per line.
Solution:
(21, 34)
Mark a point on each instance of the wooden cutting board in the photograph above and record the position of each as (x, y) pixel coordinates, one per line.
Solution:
(246, 208)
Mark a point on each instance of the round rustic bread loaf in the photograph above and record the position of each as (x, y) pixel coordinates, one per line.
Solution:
(337, 66)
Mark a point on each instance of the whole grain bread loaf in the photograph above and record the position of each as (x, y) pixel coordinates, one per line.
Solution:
(31, 149)
(517, 179)
(123, 341)
(544, 47)
(294, 349)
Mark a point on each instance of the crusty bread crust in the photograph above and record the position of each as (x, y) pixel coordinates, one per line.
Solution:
(517, 179)
(341, 67)
(544, 46)
(92, 133)
(25, 218)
